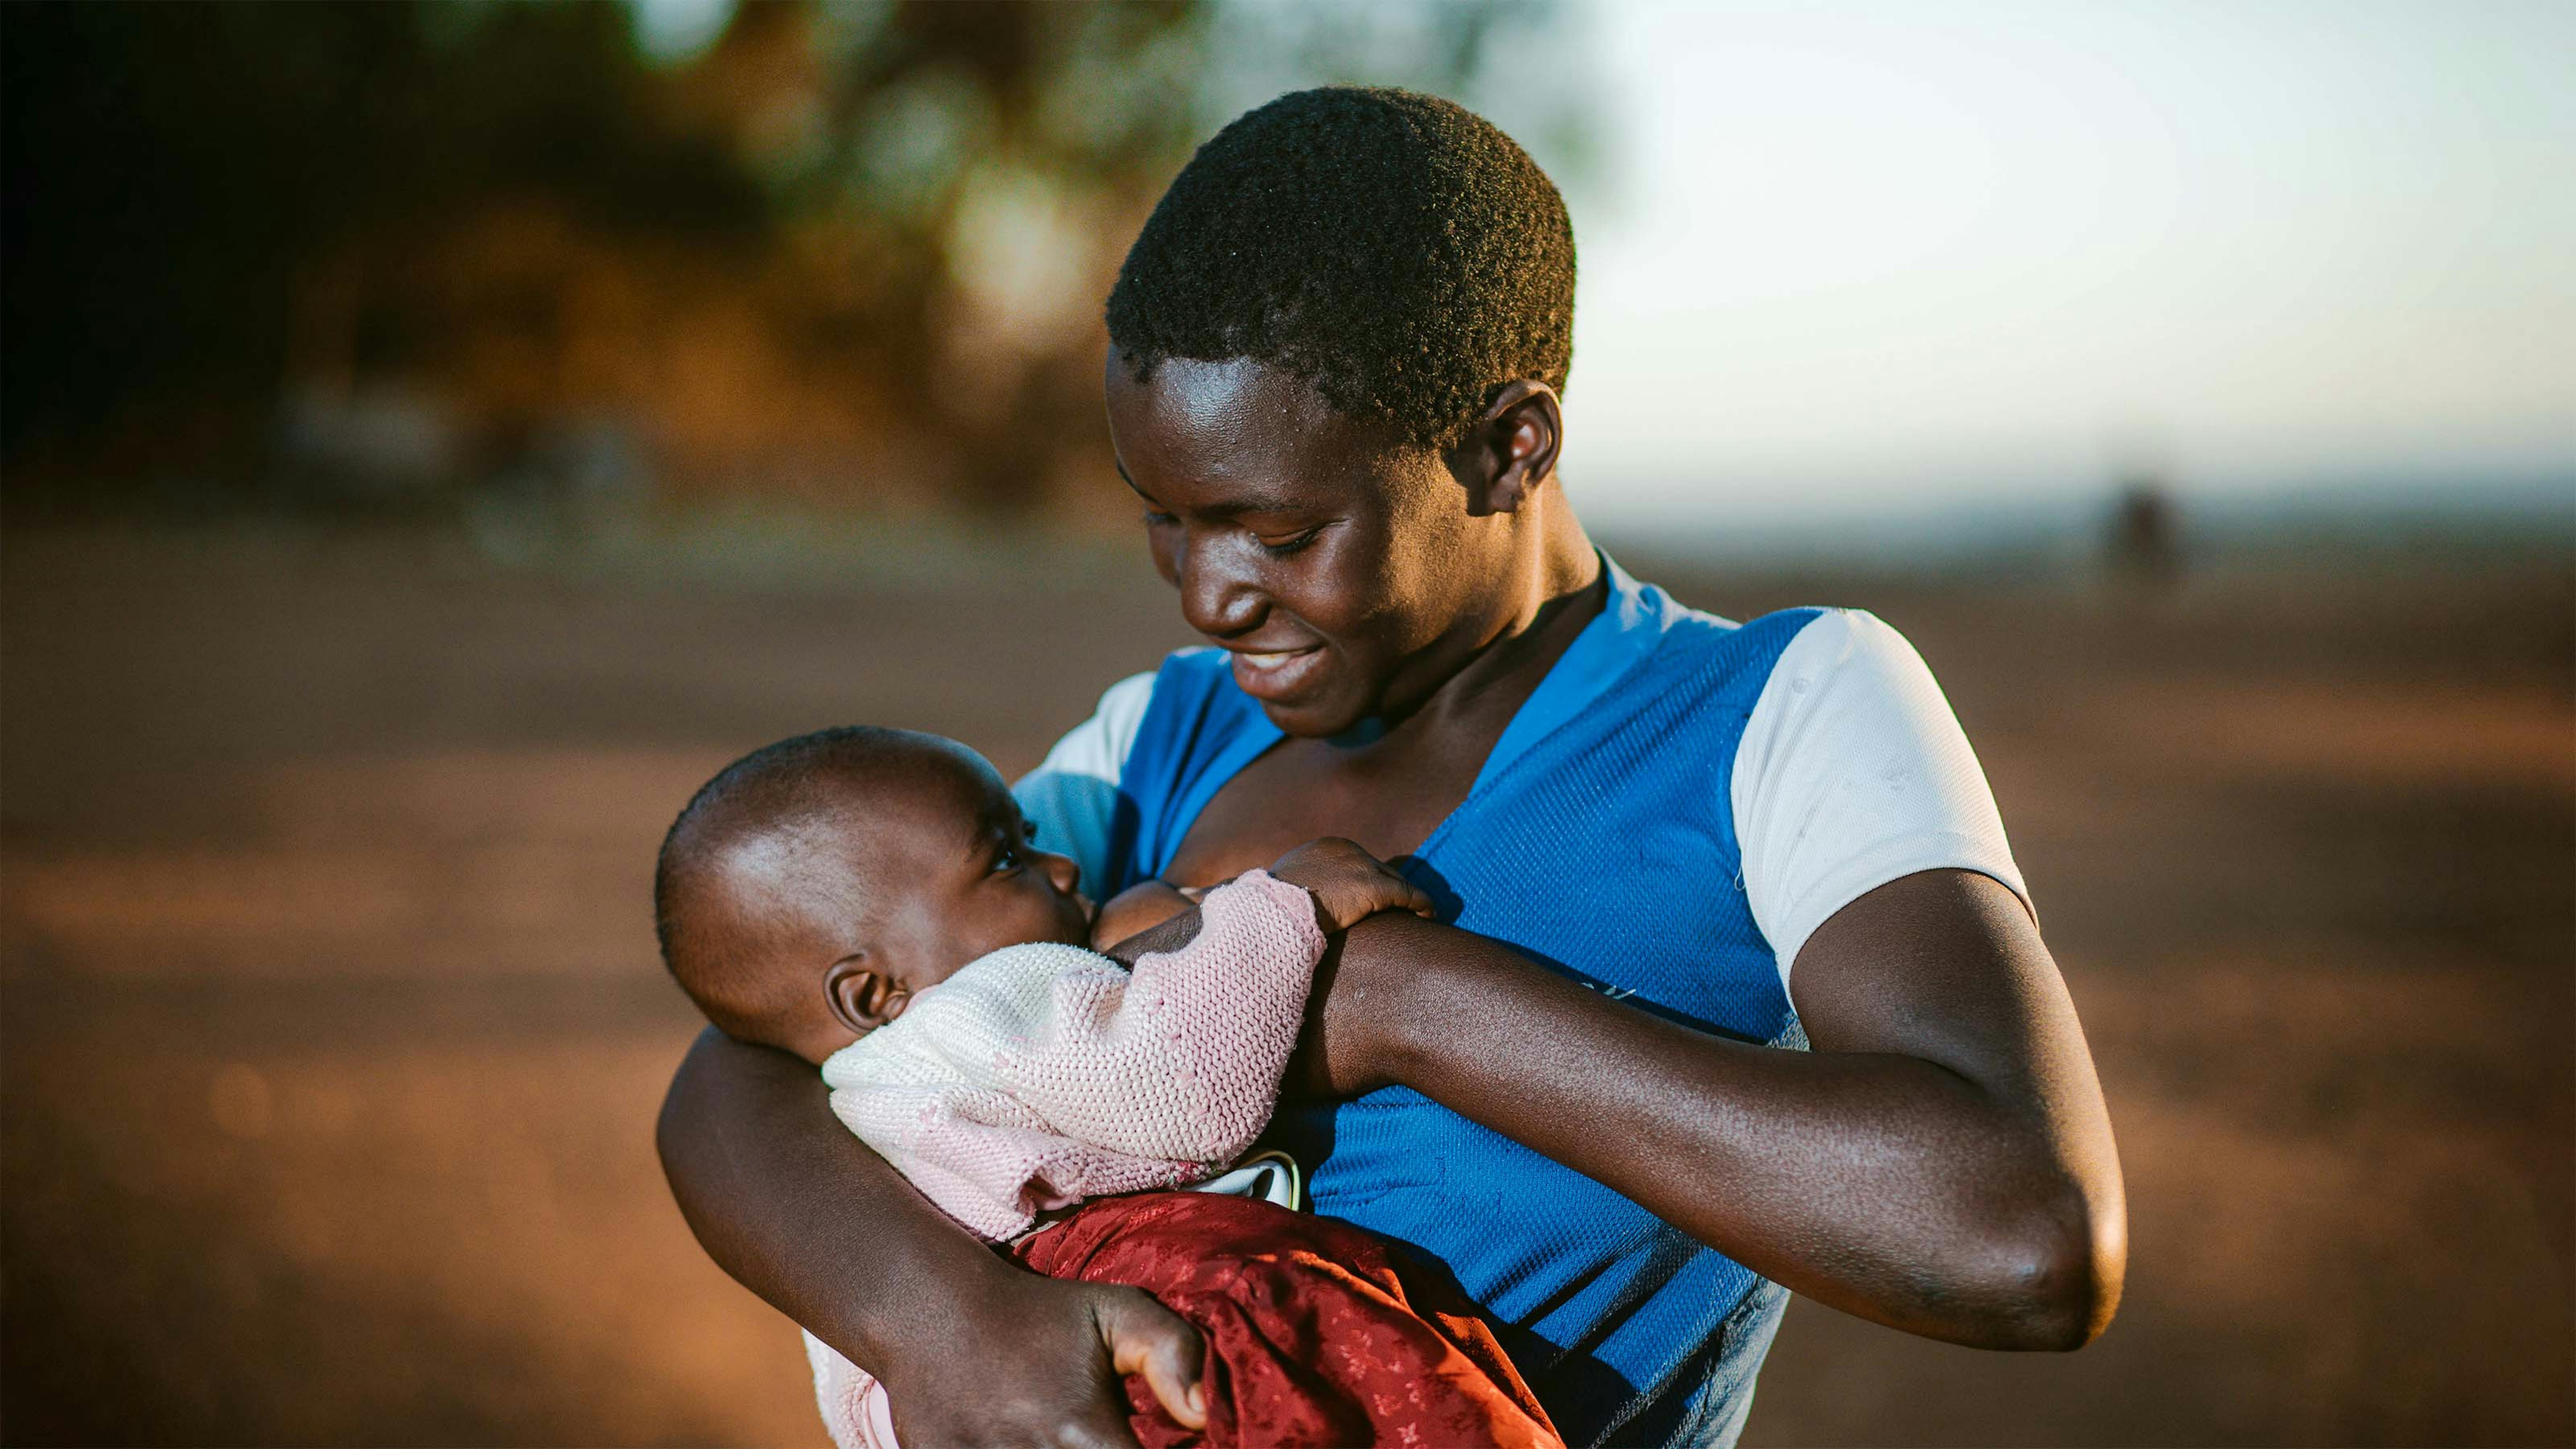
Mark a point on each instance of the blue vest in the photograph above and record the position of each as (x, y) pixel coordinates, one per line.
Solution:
(1599, 839)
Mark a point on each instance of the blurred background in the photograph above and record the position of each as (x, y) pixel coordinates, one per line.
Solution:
(435, 437)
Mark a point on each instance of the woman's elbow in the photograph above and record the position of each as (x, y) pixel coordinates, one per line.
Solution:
(2060, 1280)
(720, 1098)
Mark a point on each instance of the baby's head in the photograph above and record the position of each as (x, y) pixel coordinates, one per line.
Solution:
(812, 887)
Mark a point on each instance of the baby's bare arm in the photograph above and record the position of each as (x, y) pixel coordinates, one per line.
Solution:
(1137, 909)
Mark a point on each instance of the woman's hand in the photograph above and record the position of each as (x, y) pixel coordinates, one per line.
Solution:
(1349, 884)
(1041, 1361)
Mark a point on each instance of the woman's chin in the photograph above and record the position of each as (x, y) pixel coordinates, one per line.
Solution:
(1313, 719)
(1304, 693)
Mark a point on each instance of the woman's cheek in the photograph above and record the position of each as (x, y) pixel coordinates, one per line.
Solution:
(1342, 591)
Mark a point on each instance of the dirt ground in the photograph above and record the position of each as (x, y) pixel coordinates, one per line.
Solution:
(333, 1032)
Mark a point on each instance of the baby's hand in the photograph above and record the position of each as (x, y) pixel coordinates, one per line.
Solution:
(1348, 884)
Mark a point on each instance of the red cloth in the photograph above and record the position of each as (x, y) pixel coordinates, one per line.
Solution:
(1317, 1333)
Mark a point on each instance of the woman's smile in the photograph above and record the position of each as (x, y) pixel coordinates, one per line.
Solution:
(1278, 675)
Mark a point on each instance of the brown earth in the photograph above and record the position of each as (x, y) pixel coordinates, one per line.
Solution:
(333, 1032)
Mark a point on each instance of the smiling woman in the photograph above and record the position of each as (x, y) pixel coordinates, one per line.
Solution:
(1290, 527)
(1351, 578)
(1670, 854)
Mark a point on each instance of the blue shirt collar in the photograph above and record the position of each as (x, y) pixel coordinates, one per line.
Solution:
(1631, 622)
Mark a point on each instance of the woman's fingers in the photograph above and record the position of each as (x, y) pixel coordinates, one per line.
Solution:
(1146, 1338)
(1418, 900)
(1030, 1365)
(1403, 894)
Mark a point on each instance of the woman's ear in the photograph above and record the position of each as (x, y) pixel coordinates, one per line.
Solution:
(862, 997)
(1511, 451)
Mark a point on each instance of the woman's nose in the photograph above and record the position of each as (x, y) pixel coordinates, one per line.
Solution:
(1216, 599)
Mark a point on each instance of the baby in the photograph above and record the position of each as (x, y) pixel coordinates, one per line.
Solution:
(868, 899)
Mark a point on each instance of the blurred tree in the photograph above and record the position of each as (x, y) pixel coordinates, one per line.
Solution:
(852, 252)
(178, 177)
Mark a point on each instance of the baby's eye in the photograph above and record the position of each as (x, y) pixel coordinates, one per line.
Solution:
(1006, 858)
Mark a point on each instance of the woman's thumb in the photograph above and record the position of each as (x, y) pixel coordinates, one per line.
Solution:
(1146, 1338)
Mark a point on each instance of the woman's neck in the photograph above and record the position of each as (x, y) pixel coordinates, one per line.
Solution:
(1560, 590)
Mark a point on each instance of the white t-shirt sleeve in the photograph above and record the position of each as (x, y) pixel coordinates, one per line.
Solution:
(1852, 773)
(1071, 798)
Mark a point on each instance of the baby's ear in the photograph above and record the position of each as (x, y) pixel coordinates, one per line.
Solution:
(861, 996)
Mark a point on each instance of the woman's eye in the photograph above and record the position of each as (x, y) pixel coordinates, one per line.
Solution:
(1290, 544)
(1155, 518)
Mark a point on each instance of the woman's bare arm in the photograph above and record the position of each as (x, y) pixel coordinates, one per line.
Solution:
(972, 1349)
(1941, 1161)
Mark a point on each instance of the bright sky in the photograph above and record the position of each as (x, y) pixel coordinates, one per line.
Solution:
(1859, 256)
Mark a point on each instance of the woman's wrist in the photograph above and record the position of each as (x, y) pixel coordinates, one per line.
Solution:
(967, 1307)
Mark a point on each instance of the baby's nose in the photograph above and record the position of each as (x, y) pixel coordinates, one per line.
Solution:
(1064, 870)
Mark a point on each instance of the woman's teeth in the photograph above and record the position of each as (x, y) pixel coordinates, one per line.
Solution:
(1275, 673)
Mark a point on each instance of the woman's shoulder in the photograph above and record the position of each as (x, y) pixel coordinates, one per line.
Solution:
(1711, 656)
(1794, 643)
(1076, 799)
(1835, 679)
(1097, 748)
(1820, 632)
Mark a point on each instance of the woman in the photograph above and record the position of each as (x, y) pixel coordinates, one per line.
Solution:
(1687, 849)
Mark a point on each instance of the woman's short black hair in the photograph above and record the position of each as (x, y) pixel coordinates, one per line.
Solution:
(1394, 249)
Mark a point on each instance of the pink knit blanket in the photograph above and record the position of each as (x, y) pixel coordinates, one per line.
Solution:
(1043, 1074)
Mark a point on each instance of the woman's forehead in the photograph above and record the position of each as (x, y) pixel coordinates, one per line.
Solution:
(1197, 403)
(1235, 427)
